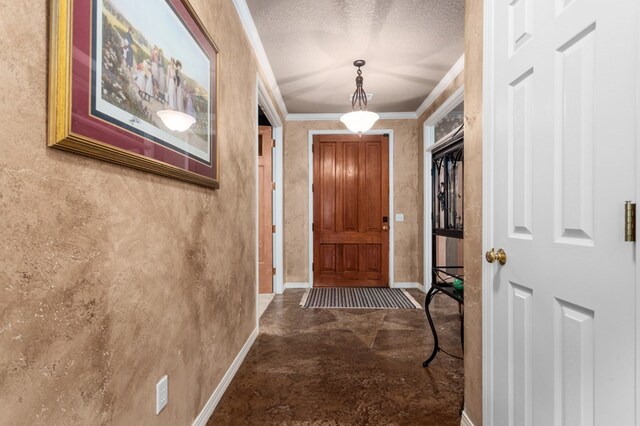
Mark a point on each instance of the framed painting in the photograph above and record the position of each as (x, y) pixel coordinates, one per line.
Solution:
(118, 68)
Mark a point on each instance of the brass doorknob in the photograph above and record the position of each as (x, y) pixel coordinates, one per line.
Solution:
(385, 227)
(500, 256)
(490, 256)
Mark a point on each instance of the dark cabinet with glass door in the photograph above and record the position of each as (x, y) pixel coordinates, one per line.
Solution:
(447, 207)
(447, 272)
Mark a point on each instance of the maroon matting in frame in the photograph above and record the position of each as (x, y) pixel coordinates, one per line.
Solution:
(85, 124)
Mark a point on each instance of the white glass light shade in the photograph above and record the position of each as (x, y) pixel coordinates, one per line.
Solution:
(359, 121)
(176, 120)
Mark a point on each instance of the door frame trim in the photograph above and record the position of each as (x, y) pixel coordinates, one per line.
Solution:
(311, 134)
(488, 102)
(428, 144)
(637, 413)
(263, 100)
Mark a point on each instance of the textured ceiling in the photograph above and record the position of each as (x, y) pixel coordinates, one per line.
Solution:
(409, 45)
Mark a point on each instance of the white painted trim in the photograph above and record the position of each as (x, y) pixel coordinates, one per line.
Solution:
(211, 404)
(289, 286)
(258, 48)
(447, 106)
(428, 134)
(406, 115)
(256, 171)
(465, 420)
(429, 145)
(637, 200)
(278, 177)
(409, 285)
(487, 212)
(392, 244)
(278, 210)
(264, 100)
(336, 116)
(448, 78)
(310, 203)
(392, 213)
(315, 117)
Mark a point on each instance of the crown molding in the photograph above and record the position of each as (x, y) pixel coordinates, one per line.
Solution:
(448, 78)
(314, 117)
(336, 116)
(408, 115)
(254, 38)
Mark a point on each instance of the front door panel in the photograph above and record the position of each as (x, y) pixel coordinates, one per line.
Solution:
(351, 209)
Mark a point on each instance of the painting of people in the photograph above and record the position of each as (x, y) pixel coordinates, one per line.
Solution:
(140, 68)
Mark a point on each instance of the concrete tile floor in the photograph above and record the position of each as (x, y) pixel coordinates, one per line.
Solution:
(347, 367)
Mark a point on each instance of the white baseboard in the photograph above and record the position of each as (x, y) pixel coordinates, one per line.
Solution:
(410, 285)
(288, 286)
(464, 420)
(211, 404)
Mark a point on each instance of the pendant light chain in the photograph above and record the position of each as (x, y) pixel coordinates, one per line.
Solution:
(359, 95)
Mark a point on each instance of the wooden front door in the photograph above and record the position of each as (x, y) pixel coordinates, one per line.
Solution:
(265, 226)
(351, 211)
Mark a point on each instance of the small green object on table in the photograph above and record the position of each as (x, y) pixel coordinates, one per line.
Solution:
(458, 284)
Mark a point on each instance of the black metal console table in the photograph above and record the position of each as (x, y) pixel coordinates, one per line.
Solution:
(444, 287)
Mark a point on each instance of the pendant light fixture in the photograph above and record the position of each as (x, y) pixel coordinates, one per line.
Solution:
(359, 120)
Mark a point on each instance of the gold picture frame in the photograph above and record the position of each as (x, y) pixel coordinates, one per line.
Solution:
(97, 107)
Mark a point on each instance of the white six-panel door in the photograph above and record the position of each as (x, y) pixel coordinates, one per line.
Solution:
(563, 76)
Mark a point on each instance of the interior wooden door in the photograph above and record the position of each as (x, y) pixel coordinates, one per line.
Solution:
(351, 211)
(265, 188)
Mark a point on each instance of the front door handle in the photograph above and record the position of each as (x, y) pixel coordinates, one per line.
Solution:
(385, 228)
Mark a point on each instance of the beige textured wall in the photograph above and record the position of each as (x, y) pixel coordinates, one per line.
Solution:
(111, 277)
(407, 197)
(473, 211)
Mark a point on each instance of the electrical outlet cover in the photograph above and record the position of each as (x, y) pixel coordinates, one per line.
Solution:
(162, 394)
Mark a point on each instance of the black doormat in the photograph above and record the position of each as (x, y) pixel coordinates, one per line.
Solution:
(359, 297)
